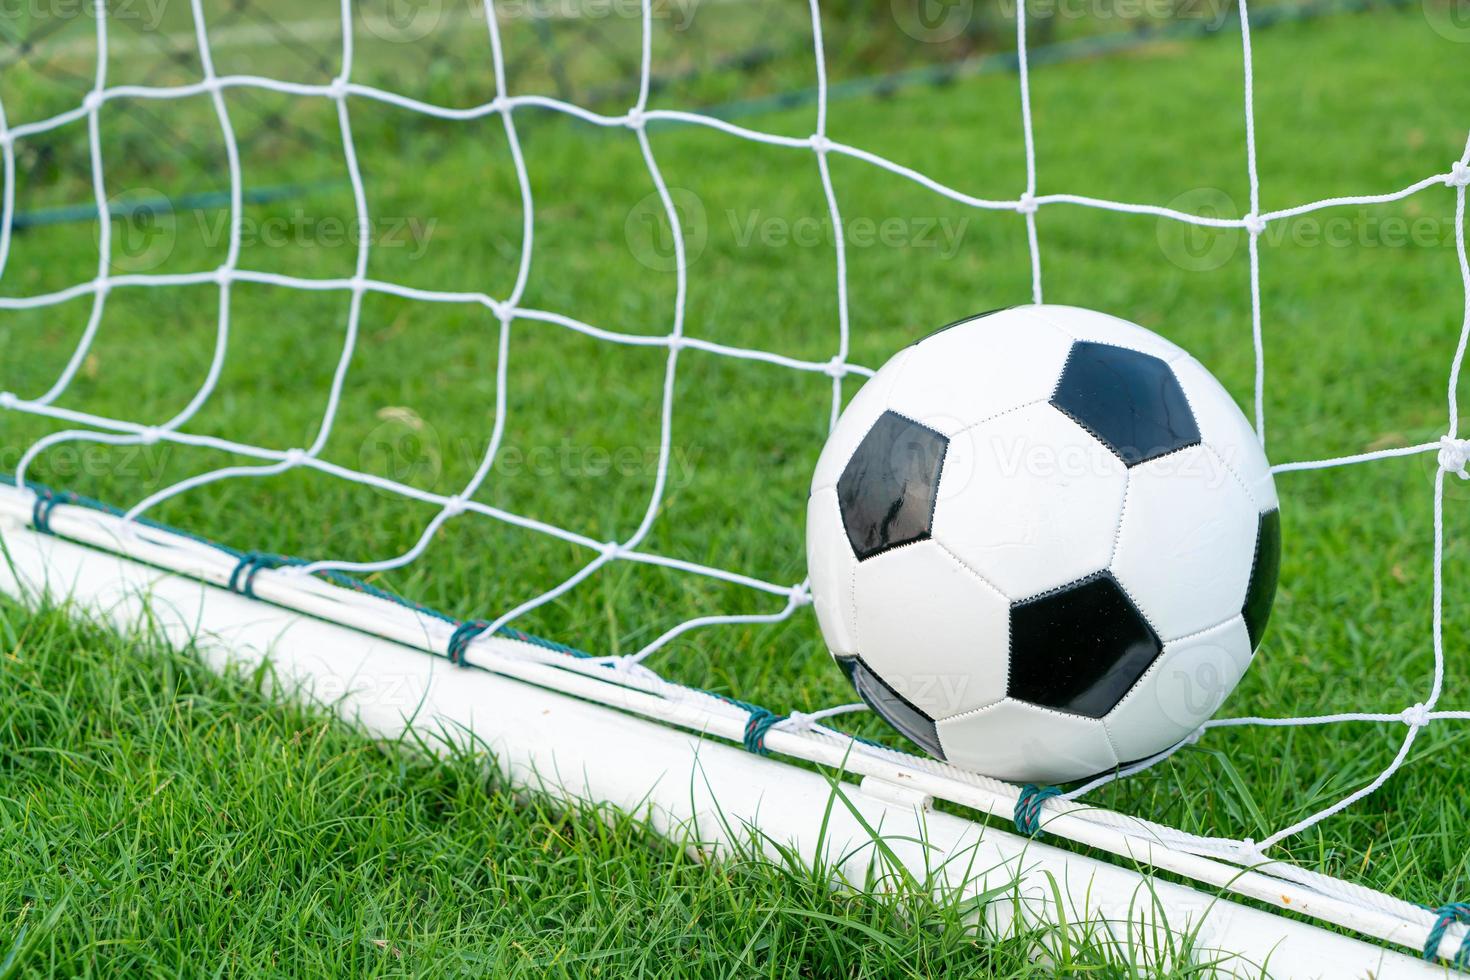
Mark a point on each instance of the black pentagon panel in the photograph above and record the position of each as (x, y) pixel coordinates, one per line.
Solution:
(909, 720)
(1260, 594)
(1130, 400)
(1079, 648)
(886, 494)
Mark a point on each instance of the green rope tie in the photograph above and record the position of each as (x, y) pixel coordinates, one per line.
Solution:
(242, 578)
(1446, 916)
(46, 502)
(460, 639)
(1028, 807)
(757, 725)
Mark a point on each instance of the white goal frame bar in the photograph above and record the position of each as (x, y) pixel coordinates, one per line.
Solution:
(582, 731)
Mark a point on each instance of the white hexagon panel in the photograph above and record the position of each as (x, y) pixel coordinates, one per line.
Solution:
(967, 372)
(1182, 690)
(1187, 541)
(1104, 328)
(1030, 500)
(1039, 745)
(947, 653)
(1225, 429)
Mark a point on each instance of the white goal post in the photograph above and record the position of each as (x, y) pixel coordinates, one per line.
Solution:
(610, 728)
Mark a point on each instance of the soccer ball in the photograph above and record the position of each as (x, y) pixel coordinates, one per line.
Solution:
(1043, 543)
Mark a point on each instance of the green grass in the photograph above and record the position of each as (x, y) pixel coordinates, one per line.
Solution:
(1358, 343)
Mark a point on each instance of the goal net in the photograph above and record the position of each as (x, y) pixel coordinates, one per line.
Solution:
(504, 374)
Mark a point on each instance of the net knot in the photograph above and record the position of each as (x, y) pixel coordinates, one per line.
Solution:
(1416, 716)
(1453, 455)
(150, 435)
(8, 399)
(294, 457)
(460, 639)
(798, 721)
(1459, 175)
(836, 367)
(636, 118)
(92, 101)
(1028, 807)
(799, 595)
(820, 143)
(454, 506)
(1254, 223)
(757, 725)
(338, 89)
(611, 550)
(1455, 913)
(630, 666)
(223, 276)
(127, 528)
(1247, 852)
(1027, 204)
